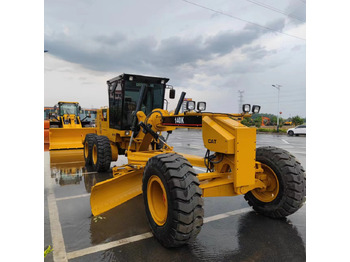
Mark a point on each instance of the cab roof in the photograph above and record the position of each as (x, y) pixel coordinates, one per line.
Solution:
(139, 78)
(64, 102)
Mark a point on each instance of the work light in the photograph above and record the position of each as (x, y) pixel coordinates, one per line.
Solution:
(190, 105)
(256, 109)
(131, 78)
(201, 106)
(246, 108)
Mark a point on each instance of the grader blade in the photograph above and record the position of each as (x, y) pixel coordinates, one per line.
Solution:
(113, 192)
(68, 138)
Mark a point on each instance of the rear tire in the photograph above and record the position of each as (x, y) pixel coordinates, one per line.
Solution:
(88, 144)
(287, 193)
(101, 154)
(172, 199)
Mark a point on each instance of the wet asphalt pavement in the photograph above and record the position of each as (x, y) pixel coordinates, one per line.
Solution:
(231, 230)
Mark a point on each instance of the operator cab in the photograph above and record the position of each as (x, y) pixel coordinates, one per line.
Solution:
(68, 108)
(124, 92)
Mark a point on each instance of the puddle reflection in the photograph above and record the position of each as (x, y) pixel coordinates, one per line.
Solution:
(128, 219)
(265, 239)
(252, 237)
(67, 166)
(91, 177)
(258, 238)
(67, 176)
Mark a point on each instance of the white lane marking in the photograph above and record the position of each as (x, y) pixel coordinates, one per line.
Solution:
(128, 240)
(72, 197)
(59, 249)
(227, 214)
(285, 141)
(98, 248)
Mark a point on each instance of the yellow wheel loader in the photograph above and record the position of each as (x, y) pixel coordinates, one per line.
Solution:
(67, 130)
(271, 179)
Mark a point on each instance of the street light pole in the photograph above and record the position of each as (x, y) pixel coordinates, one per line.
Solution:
(278, 101)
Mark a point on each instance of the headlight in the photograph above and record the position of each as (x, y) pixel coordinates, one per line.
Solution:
(256, 109)
(246, 108)
(127, 132)
(190, 105)
(201, 106)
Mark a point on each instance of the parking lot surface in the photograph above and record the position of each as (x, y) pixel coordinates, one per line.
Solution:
(232, 231)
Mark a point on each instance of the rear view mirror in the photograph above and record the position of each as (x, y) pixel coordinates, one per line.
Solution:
(172, 93)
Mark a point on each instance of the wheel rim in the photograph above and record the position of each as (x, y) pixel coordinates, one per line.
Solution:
(272, 186)
(157, 200)
(94, 154)
(86, 150)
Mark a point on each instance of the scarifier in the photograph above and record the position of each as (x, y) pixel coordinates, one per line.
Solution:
(270, 178)
(67, 130)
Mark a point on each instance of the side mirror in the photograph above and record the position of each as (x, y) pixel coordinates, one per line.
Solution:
(172, 93)
(55, 108)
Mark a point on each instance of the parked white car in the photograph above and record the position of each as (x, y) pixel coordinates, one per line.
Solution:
(298, 130)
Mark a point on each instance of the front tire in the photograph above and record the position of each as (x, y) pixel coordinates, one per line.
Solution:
(290, 133)
(286, 184)
(101, 154)
(88, 144)
(172, 199)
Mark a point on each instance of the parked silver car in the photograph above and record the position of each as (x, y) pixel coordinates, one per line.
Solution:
(298, 130)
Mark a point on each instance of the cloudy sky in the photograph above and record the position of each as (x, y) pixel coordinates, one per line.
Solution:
(209, 49)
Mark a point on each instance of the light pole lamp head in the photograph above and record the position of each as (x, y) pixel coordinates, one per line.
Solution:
(277, 86)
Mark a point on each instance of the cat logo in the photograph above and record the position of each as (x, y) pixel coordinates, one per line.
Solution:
(212, 141)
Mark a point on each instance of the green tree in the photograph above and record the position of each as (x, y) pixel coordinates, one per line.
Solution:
(245, 122)
(248, 121)
(257, 121)
(274, 120)
(297, 120)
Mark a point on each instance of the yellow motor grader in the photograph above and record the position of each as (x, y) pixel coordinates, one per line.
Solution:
(67, 130)
(271, 179)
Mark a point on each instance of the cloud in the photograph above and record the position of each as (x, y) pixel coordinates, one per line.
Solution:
(198, 50)
(117, 51)
(110, 40)
(296, 11)
(225, 42)
(257, 52)
(277, 25)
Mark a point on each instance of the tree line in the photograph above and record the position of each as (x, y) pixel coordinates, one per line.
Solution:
(271, 120)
